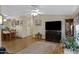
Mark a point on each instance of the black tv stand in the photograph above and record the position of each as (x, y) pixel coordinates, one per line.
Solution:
(53, 36)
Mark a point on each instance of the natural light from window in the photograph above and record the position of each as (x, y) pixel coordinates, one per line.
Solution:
(0, 19)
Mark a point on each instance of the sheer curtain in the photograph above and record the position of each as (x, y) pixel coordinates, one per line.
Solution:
(0, 28)
(76, 29)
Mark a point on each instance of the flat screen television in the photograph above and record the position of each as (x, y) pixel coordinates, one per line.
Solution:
(53, 25)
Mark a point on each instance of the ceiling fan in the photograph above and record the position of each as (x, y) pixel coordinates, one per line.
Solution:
(35, 10)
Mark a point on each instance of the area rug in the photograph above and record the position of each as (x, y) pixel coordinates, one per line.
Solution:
(41, 47)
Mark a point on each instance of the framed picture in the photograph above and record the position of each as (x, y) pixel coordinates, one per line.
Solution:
(21, 23)
(38, 22)
(17, 22)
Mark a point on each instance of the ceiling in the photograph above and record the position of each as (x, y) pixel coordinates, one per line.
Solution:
(17, 10)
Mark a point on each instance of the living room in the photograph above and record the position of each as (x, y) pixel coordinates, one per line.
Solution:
(30, 20)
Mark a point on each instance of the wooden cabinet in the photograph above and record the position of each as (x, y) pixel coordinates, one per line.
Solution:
(53, 36)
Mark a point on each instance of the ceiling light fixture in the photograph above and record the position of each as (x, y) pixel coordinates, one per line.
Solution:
(34, 14)
(4, 20)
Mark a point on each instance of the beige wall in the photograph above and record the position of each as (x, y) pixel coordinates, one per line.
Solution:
(25, 30)
(29, 27)
(22, 30)
(45, 18)
(0, 9)
(76, 12)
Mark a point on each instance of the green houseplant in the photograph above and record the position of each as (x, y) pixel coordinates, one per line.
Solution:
(70, 43)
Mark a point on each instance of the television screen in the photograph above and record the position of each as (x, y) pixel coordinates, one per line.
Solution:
(53, 25)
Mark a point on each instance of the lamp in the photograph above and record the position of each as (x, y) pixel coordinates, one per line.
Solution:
(4, 20)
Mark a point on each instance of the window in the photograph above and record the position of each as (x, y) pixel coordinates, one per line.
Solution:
(0, 19)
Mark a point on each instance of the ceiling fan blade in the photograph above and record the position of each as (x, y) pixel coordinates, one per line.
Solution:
(40, 13)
